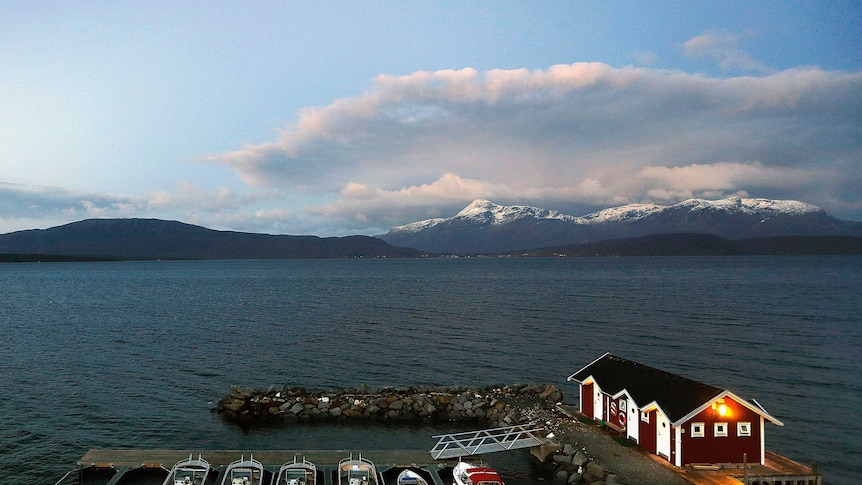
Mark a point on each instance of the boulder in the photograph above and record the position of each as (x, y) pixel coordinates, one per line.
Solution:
(561, 477)
(580, 458)
(562, 459)
(595, 469)
(297, 408)
(352, 413)
(575, 478)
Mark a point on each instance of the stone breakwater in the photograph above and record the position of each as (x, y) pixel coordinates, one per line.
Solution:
(495, 406)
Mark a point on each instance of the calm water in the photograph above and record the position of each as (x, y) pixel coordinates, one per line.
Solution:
(133, 354)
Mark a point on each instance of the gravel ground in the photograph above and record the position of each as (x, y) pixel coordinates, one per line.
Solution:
(631, 465)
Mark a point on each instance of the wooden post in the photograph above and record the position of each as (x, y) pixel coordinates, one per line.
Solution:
(745, 468)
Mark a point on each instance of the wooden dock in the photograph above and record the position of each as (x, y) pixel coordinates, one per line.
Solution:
(115, 466)
(272, 458)
(778, 470)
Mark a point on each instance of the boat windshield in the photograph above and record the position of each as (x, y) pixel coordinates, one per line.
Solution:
(242, 476)
(185, 476)
(357, 478)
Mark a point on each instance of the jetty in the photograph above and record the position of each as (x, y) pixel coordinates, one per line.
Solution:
(117, 466)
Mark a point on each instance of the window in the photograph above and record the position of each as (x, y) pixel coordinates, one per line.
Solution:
(743, 429)
(697, 430)
(720, 430)
(645, 416)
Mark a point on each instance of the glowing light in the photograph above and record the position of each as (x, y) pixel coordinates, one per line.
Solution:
(722, 410)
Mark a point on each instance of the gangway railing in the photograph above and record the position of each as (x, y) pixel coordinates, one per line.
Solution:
(486, 441)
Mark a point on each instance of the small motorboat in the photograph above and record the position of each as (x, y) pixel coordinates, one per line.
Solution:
(243, 472)
(296, 473)
(193, 471)
(467, 474)
(357, 472)
(409, 477)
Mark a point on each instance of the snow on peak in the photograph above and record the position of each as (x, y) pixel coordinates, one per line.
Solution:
(483, 211)
(751, 206)
(486, 211)
(630, 212)
(418, 225)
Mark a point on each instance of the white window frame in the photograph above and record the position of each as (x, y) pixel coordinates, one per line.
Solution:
(645, 416)
(698, 430)
(743, 429)
(720, 430)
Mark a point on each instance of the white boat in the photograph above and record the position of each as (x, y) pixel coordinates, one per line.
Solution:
(357, 472)
(243, 472)
(296, 473)
(409, 477)
(193, 471)
(467, 474)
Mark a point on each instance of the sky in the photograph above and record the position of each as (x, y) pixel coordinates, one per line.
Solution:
(338, 118)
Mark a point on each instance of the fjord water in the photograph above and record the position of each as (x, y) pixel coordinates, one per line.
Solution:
(134, 354)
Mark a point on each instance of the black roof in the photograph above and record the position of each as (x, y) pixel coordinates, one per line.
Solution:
(676, 395)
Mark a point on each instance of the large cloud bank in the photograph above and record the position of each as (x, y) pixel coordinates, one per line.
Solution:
(585, 135)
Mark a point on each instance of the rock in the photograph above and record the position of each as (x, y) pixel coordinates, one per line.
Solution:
(575, 478)
(561, 477)
(240, 392)
(231, 404)
(530, 388)
(580, 458)
(352, 413)
(595, 469)
(562, 459)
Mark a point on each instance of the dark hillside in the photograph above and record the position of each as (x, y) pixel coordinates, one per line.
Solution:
(707, 245)
(158, 239)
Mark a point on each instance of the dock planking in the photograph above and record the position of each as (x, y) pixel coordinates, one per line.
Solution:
(167, 458)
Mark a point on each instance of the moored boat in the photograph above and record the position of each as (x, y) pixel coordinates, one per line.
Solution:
(193, 471)
(409, 477)
(361, 471)
(467, 474)
(243, 472)
(296, 473)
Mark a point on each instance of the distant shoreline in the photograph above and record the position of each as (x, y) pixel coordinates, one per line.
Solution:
(48, 258)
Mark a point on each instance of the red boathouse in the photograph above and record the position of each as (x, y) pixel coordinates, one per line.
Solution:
(681, 420)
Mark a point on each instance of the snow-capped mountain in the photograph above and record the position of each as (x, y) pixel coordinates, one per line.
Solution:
(486, 227)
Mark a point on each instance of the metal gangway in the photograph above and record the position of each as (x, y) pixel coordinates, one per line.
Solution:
(486, 441)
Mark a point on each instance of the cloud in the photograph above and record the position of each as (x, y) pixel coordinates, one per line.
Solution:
(579, 136)
(720, 179)
(28, 207)
(723, 47)
(575, 138)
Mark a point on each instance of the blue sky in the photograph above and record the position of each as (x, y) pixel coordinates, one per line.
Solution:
(353, 117)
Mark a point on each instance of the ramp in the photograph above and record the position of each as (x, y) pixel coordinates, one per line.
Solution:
(486, 441)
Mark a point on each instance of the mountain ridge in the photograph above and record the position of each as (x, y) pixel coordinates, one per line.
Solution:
(486, 227)
(160, 239)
